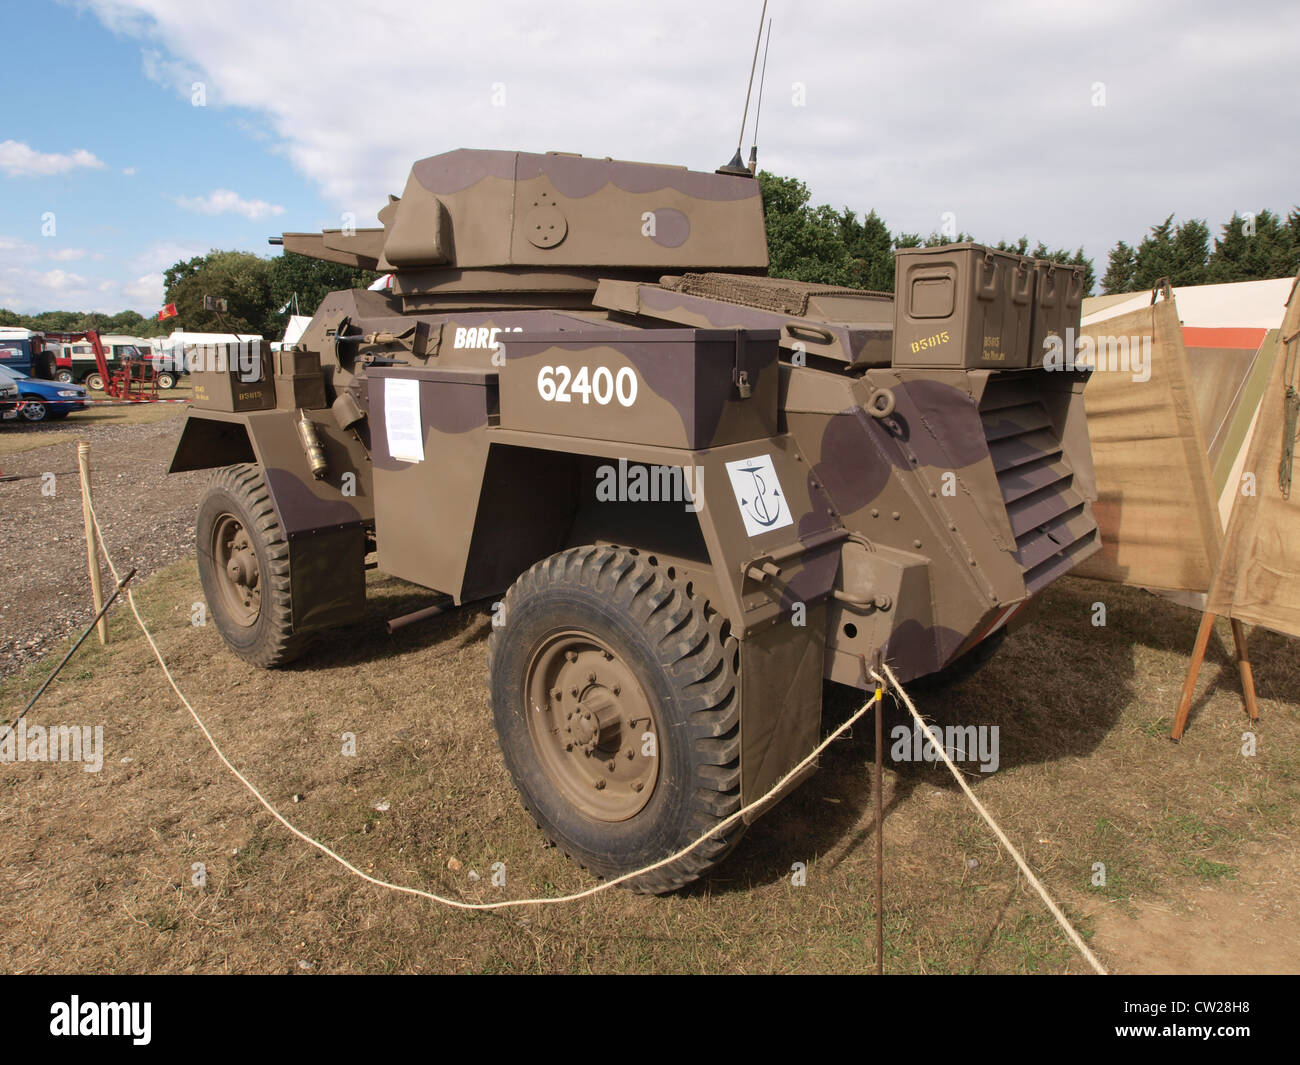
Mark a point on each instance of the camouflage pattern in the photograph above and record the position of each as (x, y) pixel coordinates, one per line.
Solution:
(912, 511)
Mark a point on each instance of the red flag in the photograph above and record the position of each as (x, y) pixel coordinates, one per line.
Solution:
(167, 312)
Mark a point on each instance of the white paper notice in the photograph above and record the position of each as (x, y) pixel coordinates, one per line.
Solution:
(402, 419)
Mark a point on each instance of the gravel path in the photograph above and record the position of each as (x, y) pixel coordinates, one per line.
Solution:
(147, 518)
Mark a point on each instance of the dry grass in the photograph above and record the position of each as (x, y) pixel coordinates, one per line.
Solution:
(95, 869)
(18, 436)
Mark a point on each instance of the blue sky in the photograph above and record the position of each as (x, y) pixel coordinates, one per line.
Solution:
(989, 113)
(144, 202)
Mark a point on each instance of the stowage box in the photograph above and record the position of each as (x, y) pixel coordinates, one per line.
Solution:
(686, 388)
(1058, 306)
(235, 388)
(962, 306)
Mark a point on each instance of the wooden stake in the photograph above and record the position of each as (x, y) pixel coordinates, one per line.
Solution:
(92, 556)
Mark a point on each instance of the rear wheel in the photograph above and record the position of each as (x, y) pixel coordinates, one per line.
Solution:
(95, 382)
(617, 709)
(244, 568)
(64, 377)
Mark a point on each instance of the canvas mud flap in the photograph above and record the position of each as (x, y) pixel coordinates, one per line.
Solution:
(781, 672)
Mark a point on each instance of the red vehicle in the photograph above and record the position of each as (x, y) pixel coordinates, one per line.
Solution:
(130, 375)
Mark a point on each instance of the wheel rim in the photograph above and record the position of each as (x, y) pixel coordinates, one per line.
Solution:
(64, 377)
(33, 411)
(237, 572)
(587, 716)
(94, 381)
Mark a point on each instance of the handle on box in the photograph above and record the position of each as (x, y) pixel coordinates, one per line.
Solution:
(1023, 291)
(988, 282)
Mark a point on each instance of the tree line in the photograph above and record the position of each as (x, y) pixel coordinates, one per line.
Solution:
(805, 243)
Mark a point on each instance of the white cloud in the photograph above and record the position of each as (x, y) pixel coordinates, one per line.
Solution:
(129, 171)
(164, 253)
(224, 201)
(146, 291)
(21, 160)
(67, 255)
(982, 110)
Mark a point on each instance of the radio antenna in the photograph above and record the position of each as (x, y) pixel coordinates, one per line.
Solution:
(758, 111)
(737, 164)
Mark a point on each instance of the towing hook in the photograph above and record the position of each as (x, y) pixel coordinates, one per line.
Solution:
(882, 403)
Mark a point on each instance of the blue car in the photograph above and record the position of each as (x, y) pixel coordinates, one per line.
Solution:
(44, 400)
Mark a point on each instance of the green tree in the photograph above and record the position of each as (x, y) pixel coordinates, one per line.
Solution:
(311, 280)
(803, 242)
(1254, 248)
(1120, 266)
(871, 251)
(242, 279)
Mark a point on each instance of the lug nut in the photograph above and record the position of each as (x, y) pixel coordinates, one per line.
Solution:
(571, 656)
(600, 784)
(591, 678)
(638, 785)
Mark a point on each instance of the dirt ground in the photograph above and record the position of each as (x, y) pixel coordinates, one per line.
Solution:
(162, 861)
(43, 569)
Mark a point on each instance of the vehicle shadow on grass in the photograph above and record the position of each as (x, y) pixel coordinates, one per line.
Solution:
(1055, 690)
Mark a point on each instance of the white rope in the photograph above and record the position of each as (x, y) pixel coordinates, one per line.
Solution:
(1002, 836)
(604, 885)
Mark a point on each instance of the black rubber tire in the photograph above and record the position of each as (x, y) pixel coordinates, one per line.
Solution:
(686, 663)
(94, 382)
(44, 366)
(166, 379)
(64, 377)
(270, 641)
(34, 410)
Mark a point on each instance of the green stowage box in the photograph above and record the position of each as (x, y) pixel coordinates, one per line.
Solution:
(300, 390)
(962, 306)
(227, 389)
(1058, 306)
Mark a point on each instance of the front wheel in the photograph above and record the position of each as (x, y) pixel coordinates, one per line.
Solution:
(617, 707)
(244, 568)
(166, 380)
(64, 377)
(95, 382)
(34, 410)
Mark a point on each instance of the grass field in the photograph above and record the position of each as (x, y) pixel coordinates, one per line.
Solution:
(1199, 842)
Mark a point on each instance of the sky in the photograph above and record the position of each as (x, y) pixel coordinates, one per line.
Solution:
(136, 133)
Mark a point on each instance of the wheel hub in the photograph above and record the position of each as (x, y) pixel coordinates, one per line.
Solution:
(592, 726)
(232, 551)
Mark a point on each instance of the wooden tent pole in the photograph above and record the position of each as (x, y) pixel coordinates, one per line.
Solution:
(1244, 668)
(1193, 671)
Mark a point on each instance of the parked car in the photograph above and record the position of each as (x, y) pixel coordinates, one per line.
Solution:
(8, 398)
(44, 400)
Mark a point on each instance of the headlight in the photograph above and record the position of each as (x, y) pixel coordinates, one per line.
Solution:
(68, 392)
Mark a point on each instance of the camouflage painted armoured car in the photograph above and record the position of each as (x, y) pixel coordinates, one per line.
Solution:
(693, 492)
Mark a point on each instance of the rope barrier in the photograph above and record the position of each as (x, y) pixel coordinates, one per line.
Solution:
(887, 680)
(1068, 928)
